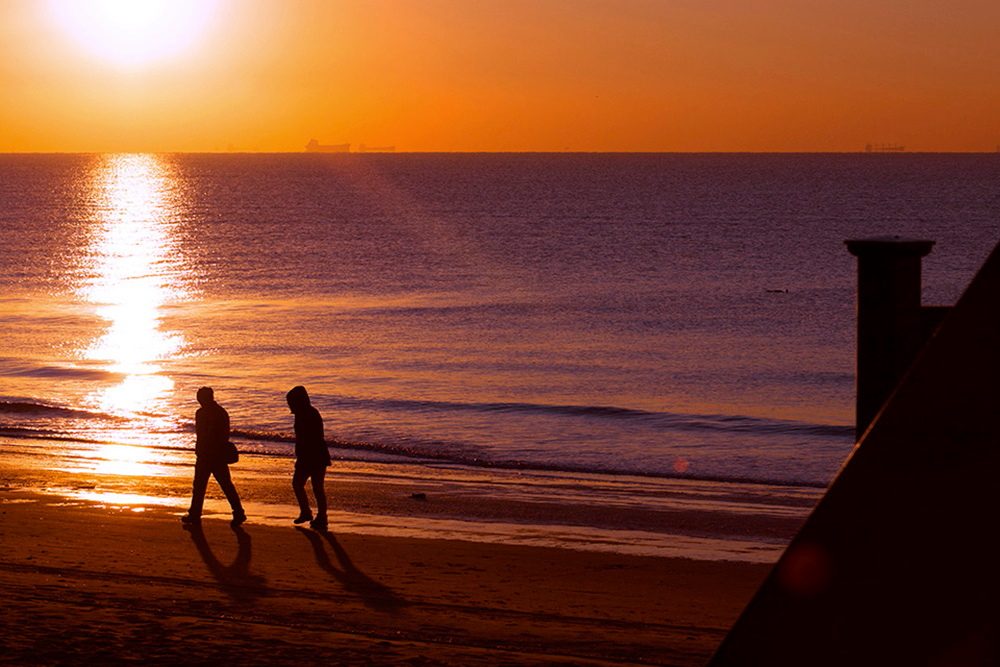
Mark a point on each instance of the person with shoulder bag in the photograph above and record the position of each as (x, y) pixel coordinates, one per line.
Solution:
(213, 454)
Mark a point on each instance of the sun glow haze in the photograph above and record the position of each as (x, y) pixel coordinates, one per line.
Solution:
(134, 32)
(498, 75)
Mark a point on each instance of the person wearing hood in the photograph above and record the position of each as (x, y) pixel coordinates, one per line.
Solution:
(311, 458)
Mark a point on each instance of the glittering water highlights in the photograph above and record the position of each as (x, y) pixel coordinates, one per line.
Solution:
(135, 270)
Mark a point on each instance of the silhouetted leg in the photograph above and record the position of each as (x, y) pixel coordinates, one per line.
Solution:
(299, 486)
(319, 523)
(202, 471)
(320, 492)
(225, 481)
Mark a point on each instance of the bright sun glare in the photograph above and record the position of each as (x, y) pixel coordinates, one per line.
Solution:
(135, 32)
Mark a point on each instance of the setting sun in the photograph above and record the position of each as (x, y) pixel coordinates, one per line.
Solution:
(133, 33)
(450, 75)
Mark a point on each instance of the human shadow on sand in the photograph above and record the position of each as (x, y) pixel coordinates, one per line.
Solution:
(374, 594)
(235, 580)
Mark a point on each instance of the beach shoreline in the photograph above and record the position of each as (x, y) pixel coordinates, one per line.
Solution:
(697, 519)
(86, 582)
(97, 566)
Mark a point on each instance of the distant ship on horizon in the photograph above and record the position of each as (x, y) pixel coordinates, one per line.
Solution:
(315, 147)
(884, 148)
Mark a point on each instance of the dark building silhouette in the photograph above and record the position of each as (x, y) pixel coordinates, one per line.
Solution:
(897, 564)
(892, 325)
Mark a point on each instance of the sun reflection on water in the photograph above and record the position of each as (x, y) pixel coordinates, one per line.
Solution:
(133, 501)
(134, 271)
(134, 274)
(124, 460)
(117, 460)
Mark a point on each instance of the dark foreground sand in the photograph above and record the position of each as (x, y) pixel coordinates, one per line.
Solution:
(83, 582)
(87, 585)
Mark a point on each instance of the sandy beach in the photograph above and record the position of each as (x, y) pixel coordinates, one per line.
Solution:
(97, 568)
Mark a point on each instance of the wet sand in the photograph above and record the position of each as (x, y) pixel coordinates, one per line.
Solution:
(106, 579)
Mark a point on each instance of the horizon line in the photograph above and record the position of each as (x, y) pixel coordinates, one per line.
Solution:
(509, 152)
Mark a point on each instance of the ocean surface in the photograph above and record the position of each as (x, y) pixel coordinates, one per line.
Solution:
(653, 315)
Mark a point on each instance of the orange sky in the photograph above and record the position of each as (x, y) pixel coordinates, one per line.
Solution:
(500, 75)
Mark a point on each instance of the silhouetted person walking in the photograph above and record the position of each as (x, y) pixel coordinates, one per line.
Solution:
(212, 450)
(311, 457)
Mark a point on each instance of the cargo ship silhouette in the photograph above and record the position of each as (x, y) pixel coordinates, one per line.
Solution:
(884, 148)
(315, 147)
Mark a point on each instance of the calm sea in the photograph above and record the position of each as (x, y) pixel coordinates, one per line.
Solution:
(664, 315)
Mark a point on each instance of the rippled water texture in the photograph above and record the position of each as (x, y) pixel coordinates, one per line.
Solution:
(684, 315)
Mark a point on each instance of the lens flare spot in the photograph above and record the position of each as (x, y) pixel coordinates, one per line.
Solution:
(806, 570)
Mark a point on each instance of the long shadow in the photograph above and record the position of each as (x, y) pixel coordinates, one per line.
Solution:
(376, 595)
(235, 580)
